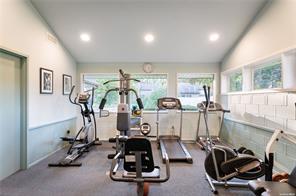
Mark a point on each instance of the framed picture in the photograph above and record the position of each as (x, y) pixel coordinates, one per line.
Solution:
(46, 81)
(67, 84)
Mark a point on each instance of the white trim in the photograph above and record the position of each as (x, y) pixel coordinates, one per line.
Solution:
(16, 52)
(46, 156)
(288, 132)
(154, 111)
(228, 75)
(261, 91)
(50, 123)
(24, 120)
(215, 86)
(265, 65)
(261, 59)
(249, 124)
(258, 63)
(115, 73)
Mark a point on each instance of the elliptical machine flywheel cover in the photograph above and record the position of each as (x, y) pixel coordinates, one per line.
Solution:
(220, 152)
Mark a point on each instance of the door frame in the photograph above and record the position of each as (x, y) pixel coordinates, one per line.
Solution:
(24, 104)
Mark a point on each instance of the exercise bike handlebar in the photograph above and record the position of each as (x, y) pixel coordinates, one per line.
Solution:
(113, 176)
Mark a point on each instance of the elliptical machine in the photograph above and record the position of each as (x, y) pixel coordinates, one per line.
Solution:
(223, 163)
(213, 107)
(86, 136)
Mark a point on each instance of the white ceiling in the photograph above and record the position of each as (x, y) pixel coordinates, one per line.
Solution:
(117, 27)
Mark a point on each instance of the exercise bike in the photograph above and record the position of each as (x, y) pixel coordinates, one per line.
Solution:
(139, 165)
(86, 136)
(223, 163)
(268, 186)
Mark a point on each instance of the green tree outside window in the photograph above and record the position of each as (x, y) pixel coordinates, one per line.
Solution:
(236, 81)
(268, 76)
(190, 88)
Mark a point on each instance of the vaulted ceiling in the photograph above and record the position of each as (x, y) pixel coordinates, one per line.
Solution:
(181, 28)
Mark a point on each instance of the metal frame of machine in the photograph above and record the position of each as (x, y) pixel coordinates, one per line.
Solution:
(164, 141)
(80, 145)
(237, 166)
(213, 107)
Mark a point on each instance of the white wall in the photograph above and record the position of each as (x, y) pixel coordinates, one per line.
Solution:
(273, 30)
(254, 115)
(23, 31)
(107, 126)
(272, 33)
(270, 110)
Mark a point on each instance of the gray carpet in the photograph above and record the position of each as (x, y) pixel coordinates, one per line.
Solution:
(91, 179)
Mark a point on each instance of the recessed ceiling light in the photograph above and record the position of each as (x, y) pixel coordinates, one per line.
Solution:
(214, 37)
(85, 37)
(149, 38)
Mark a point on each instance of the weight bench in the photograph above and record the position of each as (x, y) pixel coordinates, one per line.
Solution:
(270, 188)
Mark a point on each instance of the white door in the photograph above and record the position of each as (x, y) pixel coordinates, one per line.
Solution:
(10, 108)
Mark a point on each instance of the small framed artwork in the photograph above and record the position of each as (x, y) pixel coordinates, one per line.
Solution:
(46, 81)
(67, 84)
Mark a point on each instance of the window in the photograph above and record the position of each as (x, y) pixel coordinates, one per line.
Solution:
(235, 81)
(268, 75)
(151, 87)
(190, 88)
(89, 80)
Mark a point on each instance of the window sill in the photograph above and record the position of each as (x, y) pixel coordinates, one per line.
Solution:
(144, 112)
(275, 90)
(251, 124)
(154, 112)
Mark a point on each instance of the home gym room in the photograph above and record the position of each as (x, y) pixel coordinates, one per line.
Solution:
(147, 97)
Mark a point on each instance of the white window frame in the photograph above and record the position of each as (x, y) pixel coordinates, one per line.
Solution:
(94, 74)
(228, 79)
(201, 73)
(167, 90)
(287, 58)
(263, 65)
(102, 73)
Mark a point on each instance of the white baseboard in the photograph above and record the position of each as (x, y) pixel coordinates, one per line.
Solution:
(44, 157)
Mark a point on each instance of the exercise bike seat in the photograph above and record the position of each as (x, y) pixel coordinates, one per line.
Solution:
(271, 188)
(154, 174)
(138, 144)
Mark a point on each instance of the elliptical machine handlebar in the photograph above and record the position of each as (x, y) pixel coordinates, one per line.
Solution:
(92, 98)
(207, 94)
(74, 101)
(121, 73)
(70, 95)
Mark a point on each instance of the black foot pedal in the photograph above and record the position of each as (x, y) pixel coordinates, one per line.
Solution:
(64, 165)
